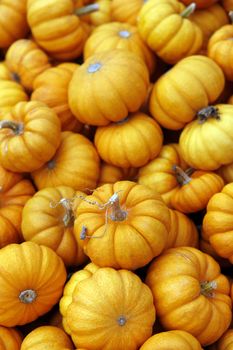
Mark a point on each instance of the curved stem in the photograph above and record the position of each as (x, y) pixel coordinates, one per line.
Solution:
(207, 288)
(188, 10)
(28, 296)
(117, 214)
(206, 113)
(17, 128)
(85, 10)
(181, 176)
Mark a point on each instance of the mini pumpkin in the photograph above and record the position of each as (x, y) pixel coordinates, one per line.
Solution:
(196, 139)
(10, 94)
(29, 136)
(225, 342)
(32, 278)
(122, 225)
(26, 60)
(75, 164)
(185, 283)
(101, 16)
(120, 91)
(119, 303)
(125, 11)
(10, 338)
(172, 104)
(111, 174)
(132, 142)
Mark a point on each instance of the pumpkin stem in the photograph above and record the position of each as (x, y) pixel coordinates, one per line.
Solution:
(188, 10)
(121, 321)
(208, 112)
(117, 214)
(27, 296)
(15, 76)
(207, 288)
(181, 176)
(230, 14)
(17, 128)
(68, 218)
(85, 10)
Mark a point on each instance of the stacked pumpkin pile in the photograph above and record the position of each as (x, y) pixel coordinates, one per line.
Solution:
(116, 175)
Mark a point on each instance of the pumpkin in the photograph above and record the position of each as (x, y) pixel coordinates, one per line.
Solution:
(57, 29)
(116, 35)
(51, 87)
(75, 164)
(228, 5)
(226, 172)
(10, 94)
(225, 342)
(69, 289)
(111, 174)
(120, 92)
(207, 248)
(125, 11)
(25, 131)
(13, 22)
(220, 47)
(46, 337)
(165, 28)
(186, 282)
(196, 139)
(122, 225)
(5, 73)
(172, 340)
(111, 310)
(209, 20)
(195, 190)
(159, 173)
(201, 4)
(48, 218)
(15, 192)
(172, 104)
(32, 278)
(132, 142)
(26, 60)
(218, 224)
(10, 339)
(101, 16)
(182, 231)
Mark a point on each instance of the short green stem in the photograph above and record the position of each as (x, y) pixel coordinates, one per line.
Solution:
(85, 10)
(188, 10)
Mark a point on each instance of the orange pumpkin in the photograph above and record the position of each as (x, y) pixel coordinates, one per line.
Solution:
(13, 21)
(201, 4)
(172, 340)
(225, 342)
(32, 278)
(122, 225)
(10, 339)
(217, 223)
(226, 172)
(29, 136)
(185, 283)
(48, 219)
(75, 164)
(51, 87)
(10, 94)
(5, 73)
(120, 91)
(109, 174)
(126, 11)
(207, 248)
(116, 35)
(196, 139)
(57, 29)
(165, 27)
(132, 142)
(228, 5)
(119, 303)
(26, 60)
(46, 337)
(172, 104)
(15, 192)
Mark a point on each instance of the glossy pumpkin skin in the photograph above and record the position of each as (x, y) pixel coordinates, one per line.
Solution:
(172, 340)
(32, 278)
(121, 303)
(132, 142)
(167, 31)
(10, 338)
(225, 342)
(75, 164)
(196, 139)
(183, 231)
(201, 4)
(159, 174)
(217, 223)
(185, 283)
(69, 289)
(15, 192)
(172, 104)
(46, 337)
(220, 49)
(120, 91)
(125, 11)
(51, 87)
(26, 60)
(56, 28)
(13, 21)
(48, 219)
(144, 214)
(10, 94)
(35, 127)
(117, 35)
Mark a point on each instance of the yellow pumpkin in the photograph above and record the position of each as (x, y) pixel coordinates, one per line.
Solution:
(10, 94)
(126, 11)
(109, 174)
